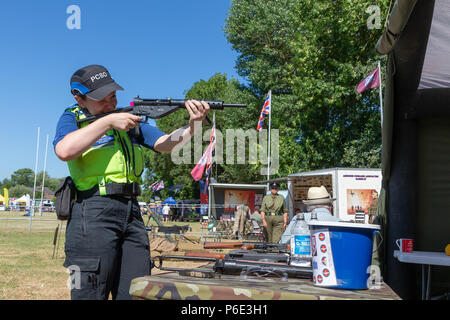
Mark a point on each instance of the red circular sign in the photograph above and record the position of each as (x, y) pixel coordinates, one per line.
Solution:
(321, 236)
(323, 248)
(324, 261)
(319, 279)
(326, 272)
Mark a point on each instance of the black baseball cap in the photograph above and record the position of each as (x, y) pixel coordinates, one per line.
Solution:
(93, 81)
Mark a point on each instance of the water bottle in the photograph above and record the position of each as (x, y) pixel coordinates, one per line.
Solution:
(300, 243)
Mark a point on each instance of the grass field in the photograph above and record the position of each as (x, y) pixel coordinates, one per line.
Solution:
(29, 267)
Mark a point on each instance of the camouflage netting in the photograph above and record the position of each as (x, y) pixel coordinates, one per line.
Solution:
(171, 286)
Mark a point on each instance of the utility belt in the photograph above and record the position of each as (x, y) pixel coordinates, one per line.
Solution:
(67, 193)
(127, 190)
(273, 214)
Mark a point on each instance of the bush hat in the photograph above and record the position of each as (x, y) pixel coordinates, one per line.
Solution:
(318, 195)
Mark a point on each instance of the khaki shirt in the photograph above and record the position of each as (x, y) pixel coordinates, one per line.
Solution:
(373, 207)
(273, 205)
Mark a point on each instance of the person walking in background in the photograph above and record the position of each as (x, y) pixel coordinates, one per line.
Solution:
(166, 210)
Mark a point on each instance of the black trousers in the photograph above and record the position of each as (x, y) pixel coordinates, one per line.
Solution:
(106, 247)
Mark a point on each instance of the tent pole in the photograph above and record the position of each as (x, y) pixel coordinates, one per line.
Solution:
(381, 93)
(268, 147)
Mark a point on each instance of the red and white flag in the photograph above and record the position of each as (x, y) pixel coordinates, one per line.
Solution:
(371, 81)
(212, 142)
(206, 158)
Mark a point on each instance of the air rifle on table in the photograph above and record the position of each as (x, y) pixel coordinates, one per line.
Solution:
(158, 108)
(239, 262)
(260, 246)
(241, 254)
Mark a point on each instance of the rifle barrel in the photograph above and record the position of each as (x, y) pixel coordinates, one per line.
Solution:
(214, 104)
(234, 105)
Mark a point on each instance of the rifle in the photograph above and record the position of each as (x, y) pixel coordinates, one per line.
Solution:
(259, 268)
(263, 246)
(241, 254)
(230, 265)
(159, 108)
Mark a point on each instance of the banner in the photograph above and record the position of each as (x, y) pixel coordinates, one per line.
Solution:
(6, 196)
(236, 197)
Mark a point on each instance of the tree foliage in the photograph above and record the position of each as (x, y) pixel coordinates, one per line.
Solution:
(23, 177)
(162, 167)
(311, 54)
(317, 51)
(22, 182)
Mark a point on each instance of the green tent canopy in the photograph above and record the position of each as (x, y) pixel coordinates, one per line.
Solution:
(415, 196)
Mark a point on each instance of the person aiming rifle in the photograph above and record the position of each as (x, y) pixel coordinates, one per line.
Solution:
(106, 241)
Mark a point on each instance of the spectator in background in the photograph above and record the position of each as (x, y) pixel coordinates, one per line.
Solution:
(372, 210)
(166, 210)
(256, 215)
(240, 217)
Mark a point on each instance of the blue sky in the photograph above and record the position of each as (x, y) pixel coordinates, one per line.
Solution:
(156, 49)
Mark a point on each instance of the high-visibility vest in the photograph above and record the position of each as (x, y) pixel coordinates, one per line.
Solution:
(114, 158)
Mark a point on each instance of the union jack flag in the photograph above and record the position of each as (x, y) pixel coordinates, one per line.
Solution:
(265, 110)
(157, 186)
(153, 185)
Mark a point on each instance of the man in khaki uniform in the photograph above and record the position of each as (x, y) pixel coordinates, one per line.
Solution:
(274, 214)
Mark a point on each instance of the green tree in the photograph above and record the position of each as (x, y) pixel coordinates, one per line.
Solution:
(49, 182)
(6, 183)
(23, 177)
(311, 54)
(163, 167)
(20, 190)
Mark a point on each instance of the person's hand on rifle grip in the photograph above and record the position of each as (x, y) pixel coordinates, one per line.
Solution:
(122, 121)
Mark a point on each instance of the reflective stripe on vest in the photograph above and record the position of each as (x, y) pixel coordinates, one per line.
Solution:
(110, 159)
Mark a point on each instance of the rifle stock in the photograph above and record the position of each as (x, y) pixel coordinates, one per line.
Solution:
(223, 245)
(205, 254)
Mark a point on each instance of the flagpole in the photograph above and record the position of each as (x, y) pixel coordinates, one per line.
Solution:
(43, 178)
(215, 153)
(268, 148)
(34, 187)
(381, 92)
